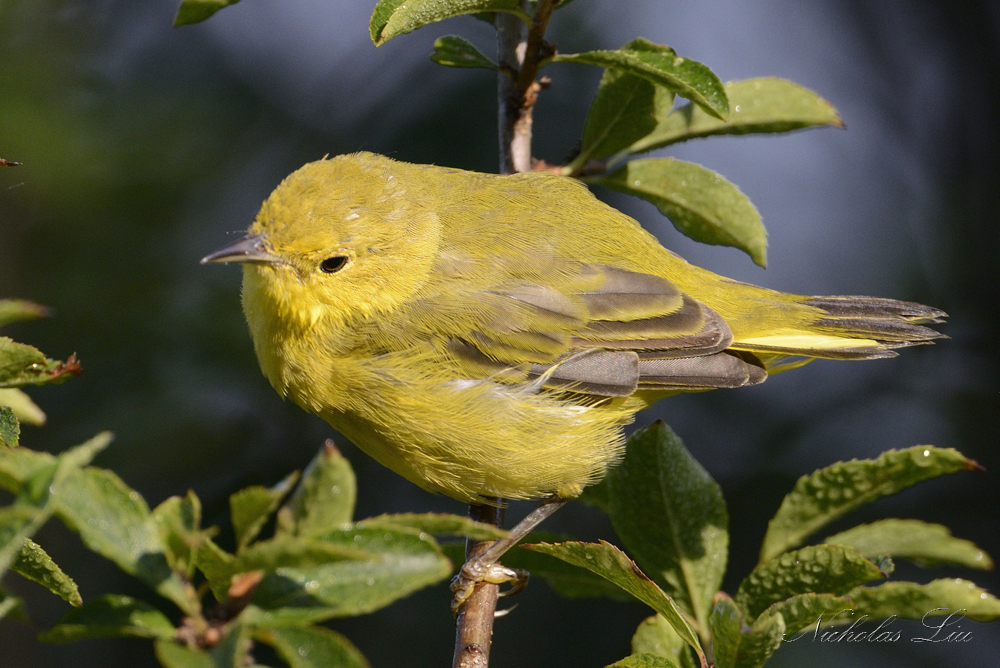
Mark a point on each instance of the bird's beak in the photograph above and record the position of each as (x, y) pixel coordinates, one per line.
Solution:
(249, 249)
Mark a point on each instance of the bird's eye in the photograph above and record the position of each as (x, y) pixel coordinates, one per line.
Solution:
(333, 264)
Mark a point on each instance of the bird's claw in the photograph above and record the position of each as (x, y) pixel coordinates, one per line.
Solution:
(475, 571)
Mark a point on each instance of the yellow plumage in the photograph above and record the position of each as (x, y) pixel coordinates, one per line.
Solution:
(488, 336)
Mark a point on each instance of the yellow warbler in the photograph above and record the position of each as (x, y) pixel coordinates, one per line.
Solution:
(488, 336)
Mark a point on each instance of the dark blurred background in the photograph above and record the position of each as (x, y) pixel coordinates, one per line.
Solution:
(145, 147)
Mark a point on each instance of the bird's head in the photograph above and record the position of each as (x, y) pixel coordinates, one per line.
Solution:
(338, 240)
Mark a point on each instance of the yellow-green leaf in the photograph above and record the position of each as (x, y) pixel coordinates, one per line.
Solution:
(12, 310)
(196, 11)
(454, 51)
(923, 543)
(938, 598)
(700, 203)
(24, 408)
(764, 105)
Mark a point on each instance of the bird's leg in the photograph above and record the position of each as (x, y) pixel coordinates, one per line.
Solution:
(484, 567)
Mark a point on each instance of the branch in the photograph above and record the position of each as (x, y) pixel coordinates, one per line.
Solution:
(520, 50)
(474, 631)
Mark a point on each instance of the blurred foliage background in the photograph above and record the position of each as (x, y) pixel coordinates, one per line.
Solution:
(146, 147)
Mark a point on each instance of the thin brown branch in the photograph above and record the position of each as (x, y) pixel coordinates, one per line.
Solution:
(474, 627)
(520, 51)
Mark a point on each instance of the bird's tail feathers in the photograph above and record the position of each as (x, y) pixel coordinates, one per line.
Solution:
(848, 327)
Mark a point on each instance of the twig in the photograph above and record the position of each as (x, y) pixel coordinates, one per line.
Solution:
(474, 627)
(520, 50)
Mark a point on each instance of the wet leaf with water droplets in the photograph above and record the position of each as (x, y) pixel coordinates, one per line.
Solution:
(35, 564)
(821, 569)
(828, 493)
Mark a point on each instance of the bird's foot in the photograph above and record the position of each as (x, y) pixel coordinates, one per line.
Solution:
(478, 570)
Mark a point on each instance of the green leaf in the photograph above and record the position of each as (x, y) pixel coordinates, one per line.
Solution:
(643, 661)
(763, 105)
(17, 523)
(736, 645)
(625, 109)
(217, 566)
(196, 11)
(805, 610)
(110, 616)
(178, 521)
(11, 606)
(325, 497)
(10, 428)
(453, 51)
(661, 65)
(312, 647)
(251, 507)
(22, 405)
(35, 564)
(402, 563)
(13, 310)
(21, 365)
(655, 635)
(35, 479)
(613, 565)
(232, 652)
(174, 655)
(826, 494)
(700, 203)
(671, 515)
(823, 569)
(924, 544)
(938, 598)
(114, 521)
(17, 466)
(287, 552)
(395, 17)
(436, 524)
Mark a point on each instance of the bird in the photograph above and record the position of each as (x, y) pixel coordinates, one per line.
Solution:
(489, 336)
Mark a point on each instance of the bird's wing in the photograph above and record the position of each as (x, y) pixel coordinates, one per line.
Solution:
(587, 328)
